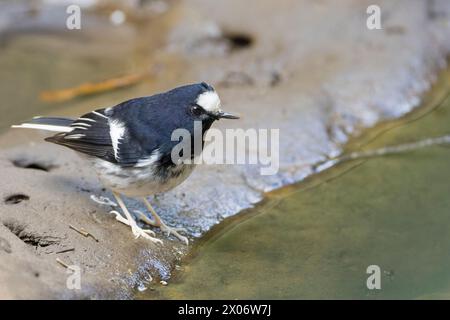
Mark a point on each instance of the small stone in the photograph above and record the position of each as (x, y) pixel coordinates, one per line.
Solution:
(117, 17)
(141, 287)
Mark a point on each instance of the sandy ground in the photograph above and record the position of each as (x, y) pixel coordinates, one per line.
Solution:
(309, 68)
(38, 207)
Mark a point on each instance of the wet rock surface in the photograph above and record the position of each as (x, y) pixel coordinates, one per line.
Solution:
(308, 68)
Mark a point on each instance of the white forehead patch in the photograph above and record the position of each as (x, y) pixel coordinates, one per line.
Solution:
(209, 101)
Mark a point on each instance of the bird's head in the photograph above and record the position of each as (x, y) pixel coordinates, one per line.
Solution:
(196, 102)
(206, 105)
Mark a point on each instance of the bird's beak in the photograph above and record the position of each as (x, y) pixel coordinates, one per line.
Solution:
(226, 115)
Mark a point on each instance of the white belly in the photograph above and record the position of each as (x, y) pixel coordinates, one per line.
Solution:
(139, 181)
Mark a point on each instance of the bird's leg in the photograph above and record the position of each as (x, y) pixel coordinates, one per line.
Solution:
(137, 231)
(150, 221)
(157, 222)
(145, 219)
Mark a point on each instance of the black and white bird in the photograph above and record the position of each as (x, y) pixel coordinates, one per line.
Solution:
(129, 145)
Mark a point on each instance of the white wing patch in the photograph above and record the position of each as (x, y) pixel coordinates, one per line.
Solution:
(116, 131)
(99, 114)
(82, 123)
(209, 101)
(85, 119)
(74, 136)
(146, 162)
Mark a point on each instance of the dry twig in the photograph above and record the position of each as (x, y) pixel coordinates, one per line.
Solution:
(92, 88)
(65, 265)
(83, 232)
(65, 250)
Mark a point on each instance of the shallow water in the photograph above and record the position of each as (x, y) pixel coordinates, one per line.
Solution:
(316, 239)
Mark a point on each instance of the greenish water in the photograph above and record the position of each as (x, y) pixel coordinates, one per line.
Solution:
(316, 239)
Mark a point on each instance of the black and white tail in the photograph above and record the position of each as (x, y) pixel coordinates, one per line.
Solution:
(90, 134)
(55, 124)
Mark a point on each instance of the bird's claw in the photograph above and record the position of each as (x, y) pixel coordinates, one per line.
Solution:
(139, 232)
(174, 231)
(164, 228)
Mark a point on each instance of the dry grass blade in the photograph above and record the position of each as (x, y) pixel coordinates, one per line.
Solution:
(92, 88)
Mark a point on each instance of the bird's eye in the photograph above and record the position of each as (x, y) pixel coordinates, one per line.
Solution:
(196, 110)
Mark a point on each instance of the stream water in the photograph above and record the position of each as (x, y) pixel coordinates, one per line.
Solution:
(317, 238)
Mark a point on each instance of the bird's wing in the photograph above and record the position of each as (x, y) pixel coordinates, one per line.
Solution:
(98, 135)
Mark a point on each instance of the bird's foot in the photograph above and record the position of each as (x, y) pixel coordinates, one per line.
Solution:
(163, 227)
(174, 231)
(137, 231)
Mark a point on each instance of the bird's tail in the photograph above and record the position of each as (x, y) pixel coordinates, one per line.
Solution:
(56, 124)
